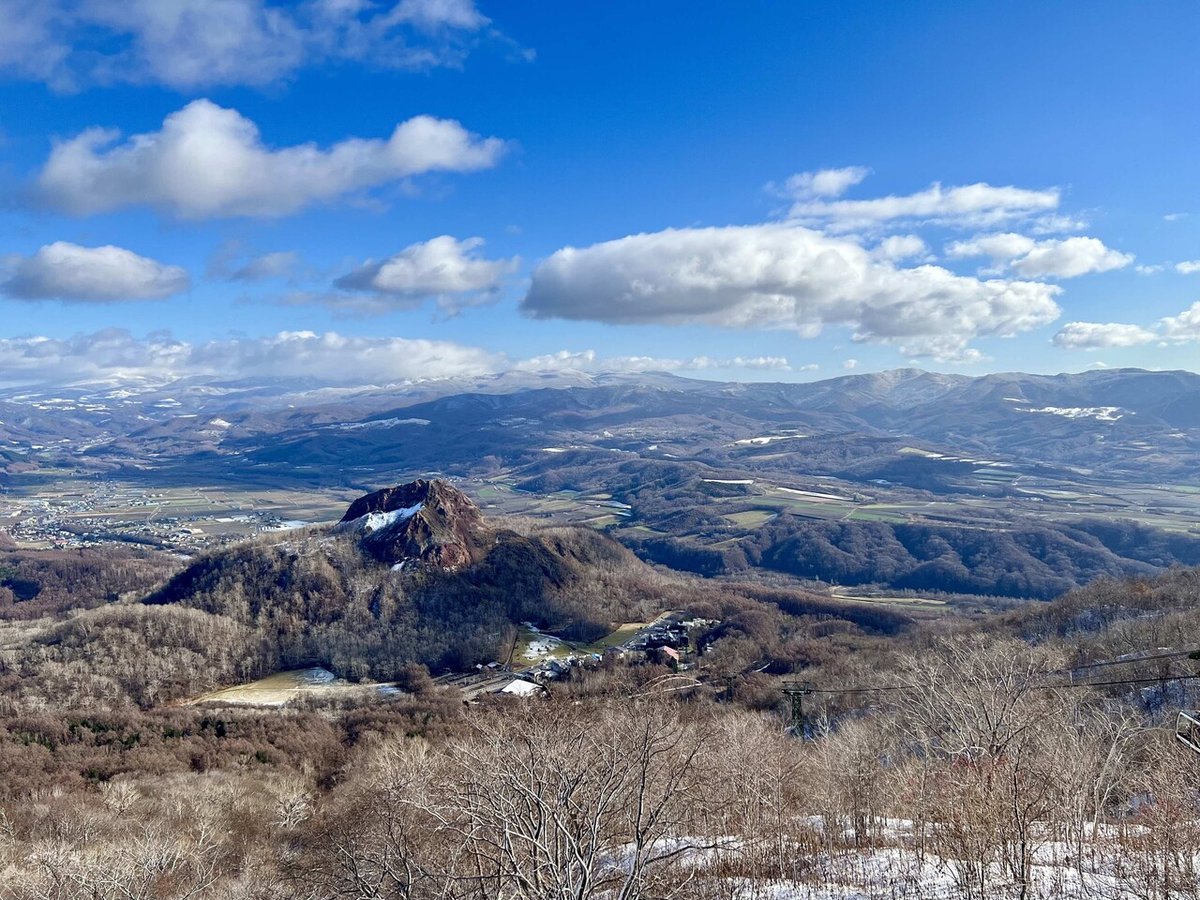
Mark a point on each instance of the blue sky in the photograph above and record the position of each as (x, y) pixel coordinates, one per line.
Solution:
(379, 191)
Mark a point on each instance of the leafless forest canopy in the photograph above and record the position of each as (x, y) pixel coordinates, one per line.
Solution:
(973, 743)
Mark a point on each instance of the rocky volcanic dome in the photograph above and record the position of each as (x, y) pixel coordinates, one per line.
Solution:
(430, 522)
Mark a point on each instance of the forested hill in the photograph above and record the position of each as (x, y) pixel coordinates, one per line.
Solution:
(413, 574)
(413, 577)
(1030, 559)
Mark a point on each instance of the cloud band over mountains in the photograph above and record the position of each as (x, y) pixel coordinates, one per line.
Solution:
(783, 277)
(327, 358)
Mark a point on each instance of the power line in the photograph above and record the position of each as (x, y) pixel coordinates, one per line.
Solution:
(1125, 681)
(1136, 659)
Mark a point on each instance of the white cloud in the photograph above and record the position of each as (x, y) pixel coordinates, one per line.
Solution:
(435, 15)
(443, 267)
(28, 43)
(269, 265)
(590, 361)
(190, 44)
(964, 206)
(1149, 269)
(1174, 217)
(1188, 267)
(1001, 247)
(783, 277)
(826, 182)
(331, 358)
(850, 364)
(1070, 258)
(63, 271)
(1055, 258)
(1093, 335)
(1057, 223)
(1183, 327)
(899, 247)
(208, 161)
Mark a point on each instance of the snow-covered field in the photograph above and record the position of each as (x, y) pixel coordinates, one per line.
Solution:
(541, 646)
(896, 875)
(1104, 870)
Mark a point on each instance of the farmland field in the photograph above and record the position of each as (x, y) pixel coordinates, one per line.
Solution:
(285, 687)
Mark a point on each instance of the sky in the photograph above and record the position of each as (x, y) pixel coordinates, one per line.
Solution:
(373, 191)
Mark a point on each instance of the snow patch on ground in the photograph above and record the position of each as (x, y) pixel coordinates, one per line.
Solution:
(1100, 867)
(542, 645)
(815, 495)
(766, 439)
(377, 423)
(1101, 414)
(287, 525)
(520, 688)
(377, 521)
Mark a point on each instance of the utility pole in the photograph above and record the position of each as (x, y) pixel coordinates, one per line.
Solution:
(796, 691)
(512, 652)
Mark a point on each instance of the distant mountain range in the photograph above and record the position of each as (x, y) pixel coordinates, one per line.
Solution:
(700, 473)
(1121, 420)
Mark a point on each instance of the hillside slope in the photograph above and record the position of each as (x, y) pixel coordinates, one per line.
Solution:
(413, 573)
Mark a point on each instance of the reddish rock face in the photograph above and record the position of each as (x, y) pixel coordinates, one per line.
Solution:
(446, 530)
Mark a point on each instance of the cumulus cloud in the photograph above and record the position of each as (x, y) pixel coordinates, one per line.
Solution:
(1055, 258)
(445, 268)
(899, 247)
(1188, 267)
(190, 44)
(331, 358)
(817, 201)
(783, 277)
(1070, 258)
(1183, 327)
(208, 162)
(826, 182)
(1000, 247)
(1094, 335)
(63, 271)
